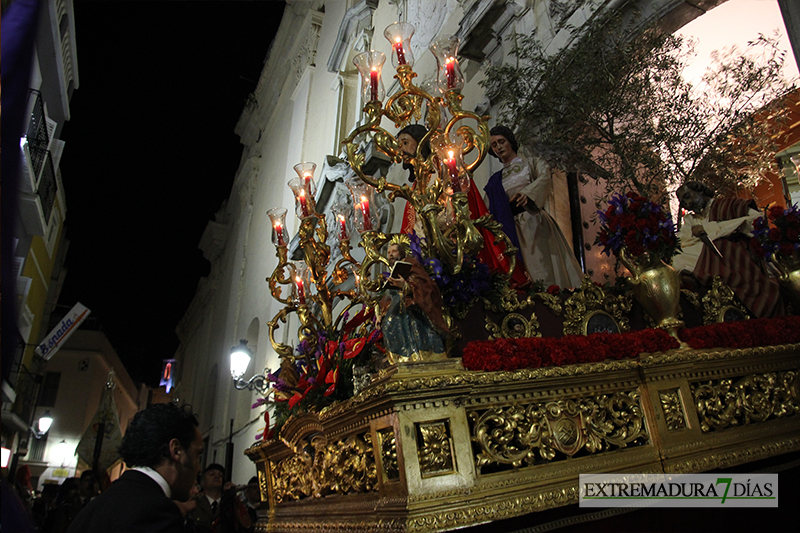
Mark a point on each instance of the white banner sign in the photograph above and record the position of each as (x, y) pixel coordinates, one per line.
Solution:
(679, 490)
(50, 344)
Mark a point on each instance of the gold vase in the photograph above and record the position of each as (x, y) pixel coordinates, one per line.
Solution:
(789, 268)
(657, 287)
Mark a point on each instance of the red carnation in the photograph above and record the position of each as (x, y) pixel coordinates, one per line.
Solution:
(792, 234)
(775, 211)
(786, 248)
(775, 234)
(553, 289)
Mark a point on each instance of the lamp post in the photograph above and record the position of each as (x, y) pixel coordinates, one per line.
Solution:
(240, 360)
(43, 425)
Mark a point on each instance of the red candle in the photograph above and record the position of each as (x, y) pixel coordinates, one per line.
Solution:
(373, 84)
(365, 213)
(452, 169)
(279, 234)
(303, 204)
(450, 72)
(342, 228)
(401, 55)
(307, 180)
(301, 293)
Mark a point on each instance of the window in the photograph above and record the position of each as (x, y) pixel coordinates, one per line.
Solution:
(47, 395)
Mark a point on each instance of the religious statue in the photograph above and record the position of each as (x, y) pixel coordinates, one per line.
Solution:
(411, 312)
(715, 242)
(518, 198)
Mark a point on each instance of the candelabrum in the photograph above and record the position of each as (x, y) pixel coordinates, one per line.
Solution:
(459, 140)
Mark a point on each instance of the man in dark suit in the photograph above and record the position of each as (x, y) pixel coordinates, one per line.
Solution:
(162, 446)
(206, 516)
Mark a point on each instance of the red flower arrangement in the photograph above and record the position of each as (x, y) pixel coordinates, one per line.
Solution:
(536, 352)
(637, 224)
(782, 237)
(744, 334)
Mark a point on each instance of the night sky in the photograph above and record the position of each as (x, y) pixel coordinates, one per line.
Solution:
(150, 157)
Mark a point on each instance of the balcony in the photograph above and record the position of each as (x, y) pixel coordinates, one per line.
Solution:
(38, 185)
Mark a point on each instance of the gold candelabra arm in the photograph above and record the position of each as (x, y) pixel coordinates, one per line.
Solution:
(471, 139)
(279, 277)
(284, 351)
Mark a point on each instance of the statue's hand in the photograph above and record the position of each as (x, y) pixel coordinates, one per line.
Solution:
(698, 231)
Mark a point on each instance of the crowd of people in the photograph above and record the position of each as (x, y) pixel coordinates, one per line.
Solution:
(161, 491)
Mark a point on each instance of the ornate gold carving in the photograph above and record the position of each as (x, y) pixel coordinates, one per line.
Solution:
(513, 326)
(672, 406)
(516, 434)
(321, 468)
(725, 403)
(388, 447)
(718, 301)
(590, 300)
(435, 448)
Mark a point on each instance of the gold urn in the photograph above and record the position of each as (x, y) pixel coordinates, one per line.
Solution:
(789, 268)
(657, 287)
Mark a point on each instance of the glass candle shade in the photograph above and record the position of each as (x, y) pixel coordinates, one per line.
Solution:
(303, 200)
(369, 65)
(453, 172)
(305, 171)
(341, 214)
(302, 283)
(277, 216)
(446, 52)
(365, 217)
(399, 35)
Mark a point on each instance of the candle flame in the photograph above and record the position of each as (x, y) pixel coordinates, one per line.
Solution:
(398, 40)
(374, 69)
(341, 217)
(450, 154)
(298, 280)
(450, 59)
(306, 174)
(302, 192)
(363, 198)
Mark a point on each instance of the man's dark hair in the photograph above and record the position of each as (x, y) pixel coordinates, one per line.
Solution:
(702, 188)
(506, 132)
(87, 474)
(146, 442)
(214, 466)
(417, 132)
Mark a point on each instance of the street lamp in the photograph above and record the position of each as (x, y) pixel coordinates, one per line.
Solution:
(240, 360)
(43, 425)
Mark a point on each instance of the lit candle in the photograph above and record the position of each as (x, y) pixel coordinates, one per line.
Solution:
(279, 234)
(450, 72)
(373, 84)
(303, 204)
(301, 293)
(342, 228)
(365, 213)
(453, 171)
(401, 55)
(307, 180)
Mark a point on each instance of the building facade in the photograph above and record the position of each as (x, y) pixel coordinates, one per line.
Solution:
(39, 246)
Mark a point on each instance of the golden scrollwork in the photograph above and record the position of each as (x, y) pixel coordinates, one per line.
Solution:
(521, 435)
(435, 450)
(513, 326)
(388, 447)
(320, 468)
(731, 402)
(590, 300)
(672, 406)
(719, 301)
